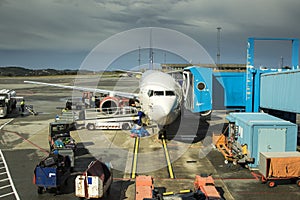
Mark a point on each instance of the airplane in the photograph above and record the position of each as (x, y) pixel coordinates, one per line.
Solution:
(160, 96)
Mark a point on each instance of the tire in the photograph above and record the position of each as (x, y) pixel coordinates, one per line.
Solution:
(234, 162)
(40, 190)
(204, 116)
(91, 127)
(271, 184)
(125, 126)
(77, 126)
(298, 183)
(51, 148)
(108, 191)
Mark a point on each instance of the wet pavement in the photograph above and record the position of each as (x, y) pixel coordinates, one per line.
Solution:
(24, 143)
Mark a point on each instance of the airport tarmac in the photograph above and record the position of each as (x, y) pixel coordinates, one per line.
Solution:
(24, 143)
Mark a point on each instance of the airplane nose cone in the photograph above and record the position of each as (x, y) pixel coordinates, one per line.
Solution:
(161, 113)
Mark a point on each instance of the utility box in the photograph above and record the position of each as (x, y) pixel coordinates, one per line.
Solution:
(262, 133)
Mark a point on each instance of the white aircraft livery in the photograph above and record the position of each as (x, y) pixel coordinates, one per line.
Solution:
(160, 96)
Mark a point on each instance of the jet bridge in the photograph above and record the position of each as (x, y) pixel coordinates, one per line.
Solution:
(273, 90)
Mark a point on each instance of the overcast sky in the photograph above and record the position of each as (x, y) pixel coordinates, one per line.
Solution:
(61, 33)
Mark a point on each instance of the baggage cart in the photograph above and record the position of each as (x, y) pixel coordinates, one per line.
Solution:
(59, 135)
(51, 173)
(276, 166)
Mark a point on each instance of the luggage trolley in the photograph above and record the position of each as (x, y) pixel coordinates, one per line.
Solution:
(52, 172)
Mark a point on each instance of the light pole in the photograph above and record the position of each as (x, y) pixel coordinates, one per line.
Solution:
(218, 45)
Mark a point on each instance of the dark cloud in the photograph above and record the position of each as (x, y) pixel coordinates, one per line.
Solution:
(68, 25)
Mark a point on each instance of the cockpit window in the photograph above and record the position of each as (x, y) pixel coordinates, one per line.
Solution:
(150, 93)
(159, 93)
(170, 93)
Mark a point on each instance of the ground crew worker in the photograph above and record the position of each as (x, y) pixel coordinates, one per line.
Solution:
(141, 115)
(22, 105)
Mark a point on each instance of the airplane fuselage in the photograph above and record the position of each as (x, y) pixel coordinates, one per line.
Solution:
(160, 96)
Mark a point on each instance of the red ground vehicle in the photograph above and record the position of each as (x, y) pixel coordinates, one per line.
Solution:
(204, 186)
(144, 187)
(204, 189)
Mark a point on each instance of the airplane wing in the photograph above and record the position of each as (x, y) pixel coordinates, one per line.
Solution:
(128, 73)
(94, 90)
(17, 98)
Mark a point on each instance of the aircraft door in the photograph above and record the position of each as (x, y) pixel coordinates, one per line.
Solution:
(188, 90)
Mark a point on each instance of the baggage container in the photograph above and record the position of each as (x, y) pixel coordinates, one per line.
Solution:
(92, 185)
(94, 182)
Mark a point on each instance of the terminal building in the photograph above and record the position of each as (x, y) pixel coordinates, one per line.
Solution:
(171, 67)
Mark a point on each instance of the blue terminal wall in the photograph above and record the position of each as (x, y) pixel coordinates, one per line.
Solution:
(233, 88)
(280, 91)
(253, 126)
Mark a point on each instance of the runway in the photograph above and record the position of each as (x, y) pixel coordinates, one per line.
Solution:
(24, 143)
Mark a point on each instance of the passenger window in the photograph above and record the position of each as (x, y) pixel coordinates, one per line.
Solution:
(159, 93)
(170, 93)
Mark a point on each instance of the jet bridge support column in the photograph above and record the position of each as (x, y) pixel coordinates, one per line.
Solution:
(253, 73)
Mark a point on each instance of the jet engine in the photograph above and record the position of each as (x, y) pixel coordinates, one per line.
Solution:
(110, 105)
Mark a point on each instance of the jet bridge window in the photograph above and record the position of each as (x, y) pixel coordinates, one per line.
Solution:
(170, 93)
(201, 86)
(159, 93)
